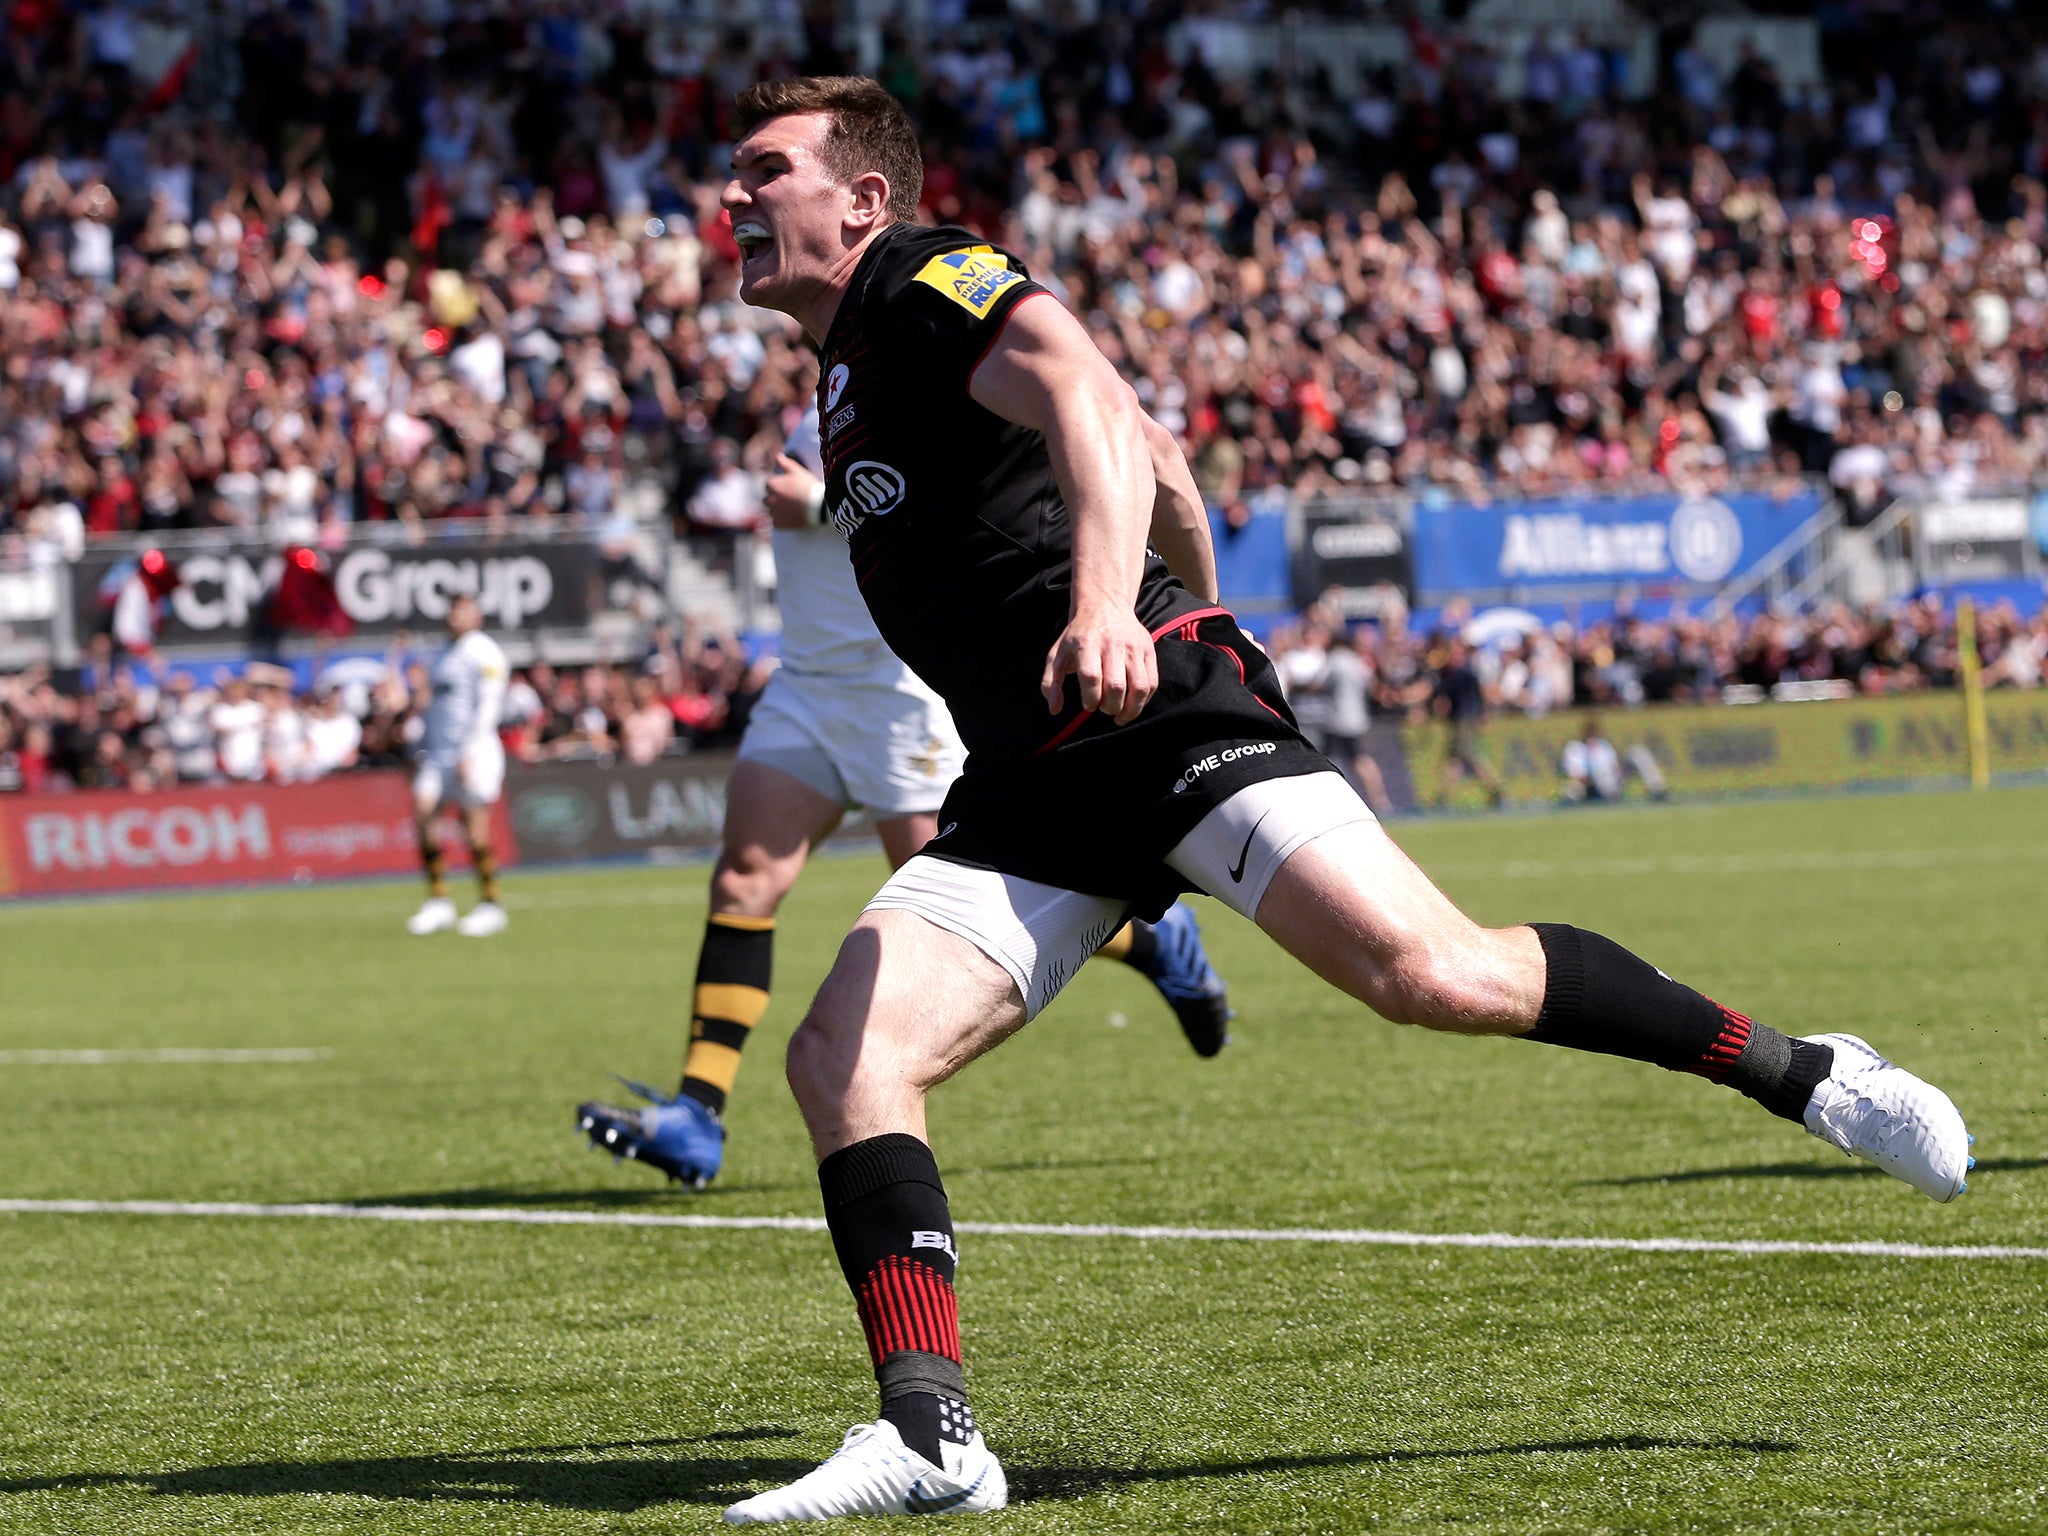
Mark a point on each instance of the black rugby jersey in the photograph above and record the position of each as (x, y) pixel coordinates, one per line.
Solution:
(961, 545)
(958, 533)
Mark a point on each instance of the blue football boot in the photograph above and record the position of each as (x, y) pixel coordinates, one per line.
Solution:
(1189, 983)
(679, 1136)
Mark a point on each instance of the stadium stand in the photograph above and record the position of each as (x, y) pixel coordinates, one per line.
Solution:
(318, 277)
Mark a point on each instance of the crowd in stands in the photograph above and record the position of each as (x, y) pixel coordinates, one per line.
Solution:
(694, 691)
(472, 264)
(1630, 660)
(376, 265)
(140, 733)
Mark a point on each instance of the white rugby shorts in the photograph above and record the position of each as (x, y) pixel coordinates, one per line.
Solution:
(879, 742)
(1042, 934)
(470, 781)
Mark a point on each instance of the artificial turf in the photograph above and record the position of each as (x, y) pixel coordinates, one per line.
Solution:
(263, 1374)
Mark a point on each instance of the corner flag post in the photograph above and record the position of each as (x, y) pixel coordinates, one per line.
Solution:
(1973, 694)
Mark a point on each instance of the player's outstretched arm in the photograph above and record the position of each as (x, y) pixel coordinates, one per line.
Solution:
(1180, 522)
(1045, 373)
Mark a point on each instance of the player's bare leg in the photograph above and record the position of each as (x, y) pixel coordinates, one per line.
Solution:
(902, 836)
(772, 822)
(1358, 912)
(437, 913)
(1168, 953)
(487, 916)
(878, 1038)
(1355, 909)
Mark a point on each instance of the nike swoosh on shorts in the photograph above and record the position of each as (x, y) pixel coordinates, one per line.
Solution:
(1244, 853)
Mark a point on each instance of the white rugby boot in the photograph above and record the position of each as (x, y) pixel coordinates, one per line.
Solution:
(482, 920)
(874, 1473)
(437, 916)
(1885, 1115)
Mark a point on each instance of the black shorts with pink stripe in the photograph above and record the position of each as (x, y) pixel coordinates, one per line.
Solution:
(1099, 806)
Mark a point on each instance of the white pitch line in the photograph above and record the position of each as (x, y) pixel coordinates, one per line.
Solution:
(1365, 1237)
(165, 1054)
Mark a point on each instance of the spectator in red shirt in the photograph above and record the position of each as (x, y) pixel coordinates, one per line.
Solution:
(113, 505)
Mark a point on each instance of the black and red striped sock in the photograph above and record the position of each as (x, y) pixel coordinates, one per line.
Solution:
(1599, 997)
(893, 1232)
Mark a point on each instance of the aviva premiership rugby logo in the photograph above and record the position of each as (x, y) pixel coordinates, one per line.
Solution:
(974, 278)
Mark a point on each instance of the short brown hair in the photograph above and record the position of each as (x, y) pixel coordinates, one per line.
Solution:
(870, 130)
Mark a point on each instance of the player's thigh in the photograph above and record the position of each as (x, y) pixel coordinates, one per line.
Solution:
(772, 821)
(906, 1005)
(479, 781)
(947, 960)
(433, 787)
(1306, 859)
(480, 776)
(903, 836)
(911, 1002)
(1357, 911)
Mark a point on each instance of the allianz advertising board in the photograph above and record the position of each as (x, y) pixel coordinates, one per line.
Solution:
(1598, 545)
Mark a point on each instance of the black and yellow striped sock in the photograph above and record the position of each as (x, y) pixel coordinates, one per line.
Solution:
(435, 862)
(486, 862)
(732, 993)
(1136, 945)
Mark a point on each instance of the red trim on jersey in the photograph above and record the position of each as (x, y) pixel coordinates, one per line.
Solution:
(1187, 619)
(1238, 662)
(975, 366)
(1066, 732)
(854, 439)
(1186, 622)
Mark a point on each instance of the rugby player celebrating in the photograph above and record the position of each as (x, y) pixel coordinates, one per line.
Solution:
(1126, 742)
(844, 724)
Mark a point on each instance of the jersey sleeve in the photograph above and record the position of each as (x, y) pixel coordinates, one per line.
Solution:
(493, 677)
(803, 444)
(953, 304)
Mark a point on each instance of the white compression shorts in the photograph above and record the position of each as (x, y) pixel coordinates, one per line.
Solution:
(1041, 934)
(473, 780)
(857, 741)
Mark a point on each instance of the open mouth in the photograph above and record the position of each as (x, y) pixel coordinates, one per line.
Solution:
(753, 239)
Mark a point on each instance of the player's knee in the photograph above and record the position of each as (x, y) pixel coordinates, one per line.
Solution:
(1446, 986)
(748, 882)
(821, 1060)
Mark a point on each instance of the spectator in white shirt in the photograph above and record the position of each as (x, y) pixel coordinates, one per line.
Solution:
(237, 722)
(284, 735)
(333, 735)
(727, 499)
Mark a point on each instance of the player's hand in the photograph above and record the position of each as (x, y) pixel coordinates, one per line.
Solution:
(788, 491)
(1112, 655)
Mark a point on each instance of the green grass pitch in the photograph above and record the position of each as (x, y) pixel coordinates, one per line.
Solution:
(176, 1374)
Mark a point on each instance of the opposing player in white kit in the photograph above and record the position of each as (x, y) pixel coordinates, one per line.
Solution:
(843, 724)
(461, 763)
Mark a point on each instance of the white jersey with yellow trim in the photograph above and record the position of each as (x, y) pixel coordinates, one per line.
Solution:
(826, 630)
(470, 676)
